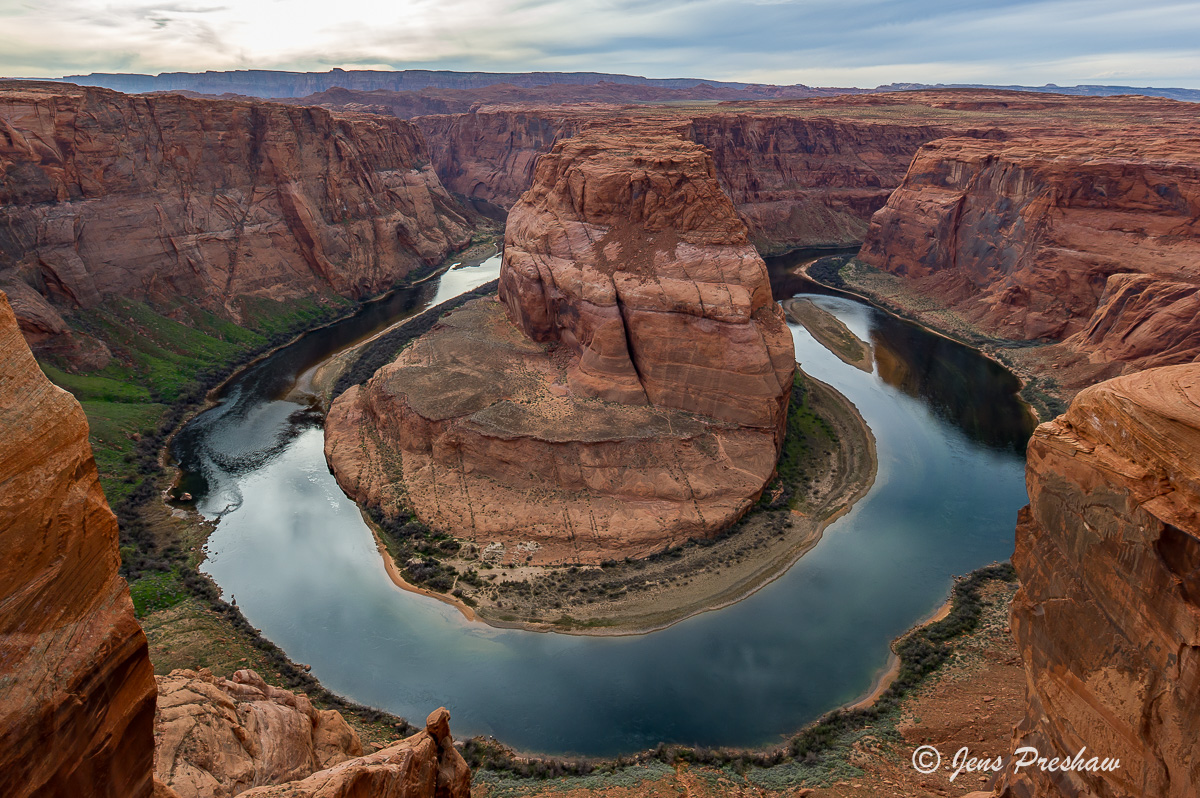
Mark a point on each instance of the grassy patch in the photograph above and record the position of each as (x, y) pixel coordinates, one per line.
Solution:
(807, 433)
(165, 358)
(158, 591)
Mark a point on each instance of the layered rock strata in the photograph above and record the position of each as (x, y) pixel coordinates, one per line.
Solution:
(220, 737)
(627, 392)
(796, 180)
(76, 686)
(1108, 615)
(1092, 241)
(161, 197)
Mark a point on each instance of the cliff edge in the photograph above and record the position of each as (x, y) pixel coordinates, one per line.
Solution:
(1108, 616)
(76, 686)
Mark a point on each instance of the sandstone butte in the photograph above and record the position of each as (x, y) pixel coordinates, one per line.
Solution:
(1107, 619)
(77, 689)
(76, 685)
(1089, 241)
(165, 197)
(627, 391)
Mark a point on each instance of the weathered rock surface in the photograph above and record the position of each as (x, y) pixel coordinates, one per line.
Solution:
(627, 252)
(159, 197)
(1089, 240)
(810, 180)
(425, 765)
(215, 738)
(76, 685)
(1108, 615)
(796, 180)
(633, 394)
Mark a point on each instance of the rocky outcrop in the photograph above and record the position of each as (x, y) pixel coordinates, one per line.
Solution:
(162, 197)
(628, 392)
(215, 738)
(76, 685)
(1108, 615)
(425, 765)
(1089, 240)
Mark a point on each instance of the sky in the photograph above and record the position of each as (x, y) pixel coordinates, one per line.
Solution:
(815, 42)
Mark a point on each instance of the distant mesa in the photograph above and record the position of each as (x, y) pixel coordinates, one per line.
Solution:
(627, 391)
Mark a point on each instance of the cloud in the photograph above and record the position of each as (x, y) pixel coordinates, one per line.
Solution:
(820, 42)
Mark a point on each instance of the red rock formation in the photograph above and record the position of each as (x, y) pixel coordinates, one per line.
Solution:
(1093, 237)
(627, 252)
(1108, 615)
(158, 197)
(796, 180)
(76, 685)
(490, 155)
(425, 765)
(804, 180)
(219, 737)
(633, 395)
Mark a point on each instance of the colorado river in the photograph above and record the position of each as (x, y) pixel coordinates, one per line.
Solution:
(303, 567)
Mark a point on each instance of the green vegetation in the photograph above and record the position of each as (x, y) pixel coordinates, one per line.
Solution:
(156, 592)
(166, 359)
(807, 433)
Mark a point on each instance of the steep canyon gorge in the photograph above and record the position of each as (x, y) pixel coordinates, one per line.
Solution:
(1068, 224)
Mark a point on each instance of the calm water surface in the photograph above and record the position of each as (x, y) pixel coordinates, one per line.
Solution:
(294, 552)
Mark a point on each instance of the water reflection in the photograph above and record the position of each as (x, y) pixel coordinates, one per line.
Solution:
(303, 567)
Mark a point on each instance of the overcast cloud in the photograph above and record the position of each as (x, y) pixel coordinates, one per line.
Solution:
(817, 42)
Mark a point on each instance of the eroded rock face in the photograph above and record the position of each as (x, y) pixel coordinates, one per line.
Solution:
(216, 738)
(425, 765)
(1108, 615)
(628, 392)
(76, 686)
(157, 197)
(1091, 240)
(627, 252)
(795, 180)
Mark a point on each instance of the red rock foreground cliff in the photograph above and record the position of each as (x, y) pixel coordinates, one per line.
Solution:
(1108, 615)
(164, 197)
(627, 392)
(76, 685)
(77, 690)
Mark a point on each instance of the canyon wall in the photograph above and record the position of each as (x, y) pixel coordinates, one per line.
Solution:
(76, 686)
(627, 392)
(796, 180)
(1092, 240)
(1108, 615)
(164, 197)
(807, 180)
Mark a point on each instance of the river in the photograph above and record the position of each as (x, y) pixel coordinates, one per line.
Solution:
(293, 551)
